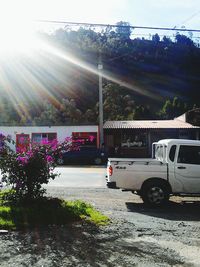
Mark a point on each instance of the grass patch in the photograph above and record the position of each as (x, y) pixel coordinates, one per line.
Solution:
(87, 212)
(46, 211)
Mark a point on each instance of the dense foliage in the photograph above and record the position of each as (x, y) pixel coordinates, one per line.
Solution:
(26, 170)
(145, 78)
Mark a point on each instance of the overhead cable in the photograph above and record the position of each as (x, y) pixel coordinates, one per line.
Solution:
(116, 26)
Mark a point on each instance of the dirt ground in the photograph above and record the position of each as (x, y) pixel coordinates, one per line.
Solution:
(137, 235)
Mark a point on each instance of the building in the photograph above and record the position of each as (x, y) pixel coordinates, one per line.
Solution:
(23, 135)
(135, 138)
(191, 116)
(122, 138)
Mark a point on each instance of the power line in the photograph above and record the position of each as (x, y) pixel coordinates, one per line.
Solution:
(116, 26)
(189, 18)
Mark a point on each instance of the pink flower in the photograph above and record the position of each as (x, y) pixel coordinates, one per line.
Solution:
(2, 136)
(49, 158)
(45, 141)
(29, 154)
(54, 144)
(21, 149)
(91, 138)
(22, 160)
(67, 139)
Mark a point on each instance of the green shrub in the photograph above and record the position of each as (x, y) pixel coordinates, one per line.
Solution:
(26, 170)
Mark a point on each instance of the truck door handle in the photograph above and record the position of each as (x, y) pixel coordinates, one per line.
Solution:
(181, 167)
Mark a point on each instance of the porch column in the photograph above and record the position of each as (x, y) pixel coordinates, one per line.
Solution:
(197, 134)
(149, 142)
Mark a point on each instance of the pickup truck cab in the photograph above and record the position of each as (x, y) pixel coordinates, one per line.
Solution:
(175, 170)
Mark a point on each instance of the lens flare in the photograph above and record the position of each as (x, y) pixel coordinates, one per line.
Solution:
(32, 68)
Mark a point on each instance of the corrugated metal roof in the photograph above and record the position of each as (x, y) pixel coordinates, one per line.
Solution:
(147, 124)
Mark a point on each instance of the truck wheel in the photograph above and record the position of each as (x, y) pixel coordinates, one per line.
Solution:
(155, 194)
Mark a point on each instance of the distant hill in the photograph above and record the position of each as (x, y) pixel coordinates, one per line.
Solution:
(60, 85)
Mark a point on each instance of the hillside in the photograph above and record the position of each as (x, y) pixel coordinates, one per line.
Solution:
(58, 84)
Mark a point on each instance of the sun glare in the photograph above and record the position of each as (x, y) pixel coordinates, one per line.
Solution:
(16, 28)
(30, 67)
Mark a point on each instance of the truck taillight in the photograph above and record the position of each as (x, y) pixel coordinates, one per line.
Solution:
(110, 170)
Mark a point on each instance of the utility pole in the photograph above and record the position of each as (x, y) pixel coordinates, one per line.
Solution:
(100, 68)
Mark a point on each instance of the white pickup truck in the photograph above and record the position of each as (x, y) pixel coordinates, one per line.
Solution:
(175, 170)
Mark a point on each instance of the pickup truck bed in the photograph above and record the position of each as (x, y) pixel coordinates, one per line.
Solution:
(130, 173)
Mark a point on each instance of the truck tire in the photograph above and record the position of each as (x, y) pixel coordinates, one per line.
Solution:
(155, 193)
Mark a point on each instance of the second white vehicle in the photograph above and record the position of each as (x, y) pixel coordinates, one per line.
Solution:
(175, 170)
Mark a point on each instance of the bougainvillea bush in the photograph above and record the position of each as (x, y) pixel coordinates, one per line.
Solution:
(26, 170)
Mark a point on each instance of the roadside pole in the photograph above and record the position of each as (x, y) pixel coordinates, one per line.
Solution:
(101, 137)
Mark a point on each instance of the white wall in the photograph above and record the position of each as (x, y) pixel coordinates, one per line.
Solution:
(62, 131)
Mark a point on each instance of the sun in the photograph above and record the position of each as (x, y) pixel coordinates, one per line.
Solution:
(17, 33)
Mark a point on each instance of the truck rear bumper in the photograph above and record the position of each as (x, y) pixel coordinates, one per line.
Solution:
(112, 185)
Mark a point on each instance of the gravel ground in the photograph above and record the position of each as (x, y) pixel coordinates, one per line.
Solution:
(137, 236)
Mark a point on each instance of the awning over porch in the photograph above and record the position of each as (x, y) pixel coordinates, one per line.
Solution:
(149, 124)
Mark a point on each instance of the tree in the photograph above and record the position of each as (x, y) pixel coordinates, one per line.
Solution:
(167, 40)
(156, 38)
(173, 108)
(118, 105)
(142, 112)
(69, 113)
(183, 40)
(123, 29)
(49, 116)
(91, 115)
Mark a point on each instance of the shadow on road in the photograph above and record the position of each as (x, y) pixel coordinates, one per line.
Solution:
(184, 211)
(53, 246)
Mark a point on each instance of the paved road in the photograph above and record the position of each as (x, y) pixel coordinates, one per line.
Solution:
(137, 235)
(80, 177)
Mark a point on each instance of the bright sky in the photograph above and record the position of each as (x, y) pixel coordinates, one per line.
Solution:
(168, 13)
(15, 15)
(159, 13)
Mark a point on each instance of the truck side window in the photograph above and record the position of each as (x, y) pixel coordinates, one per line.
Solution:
(189, 154)
(172, 153)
